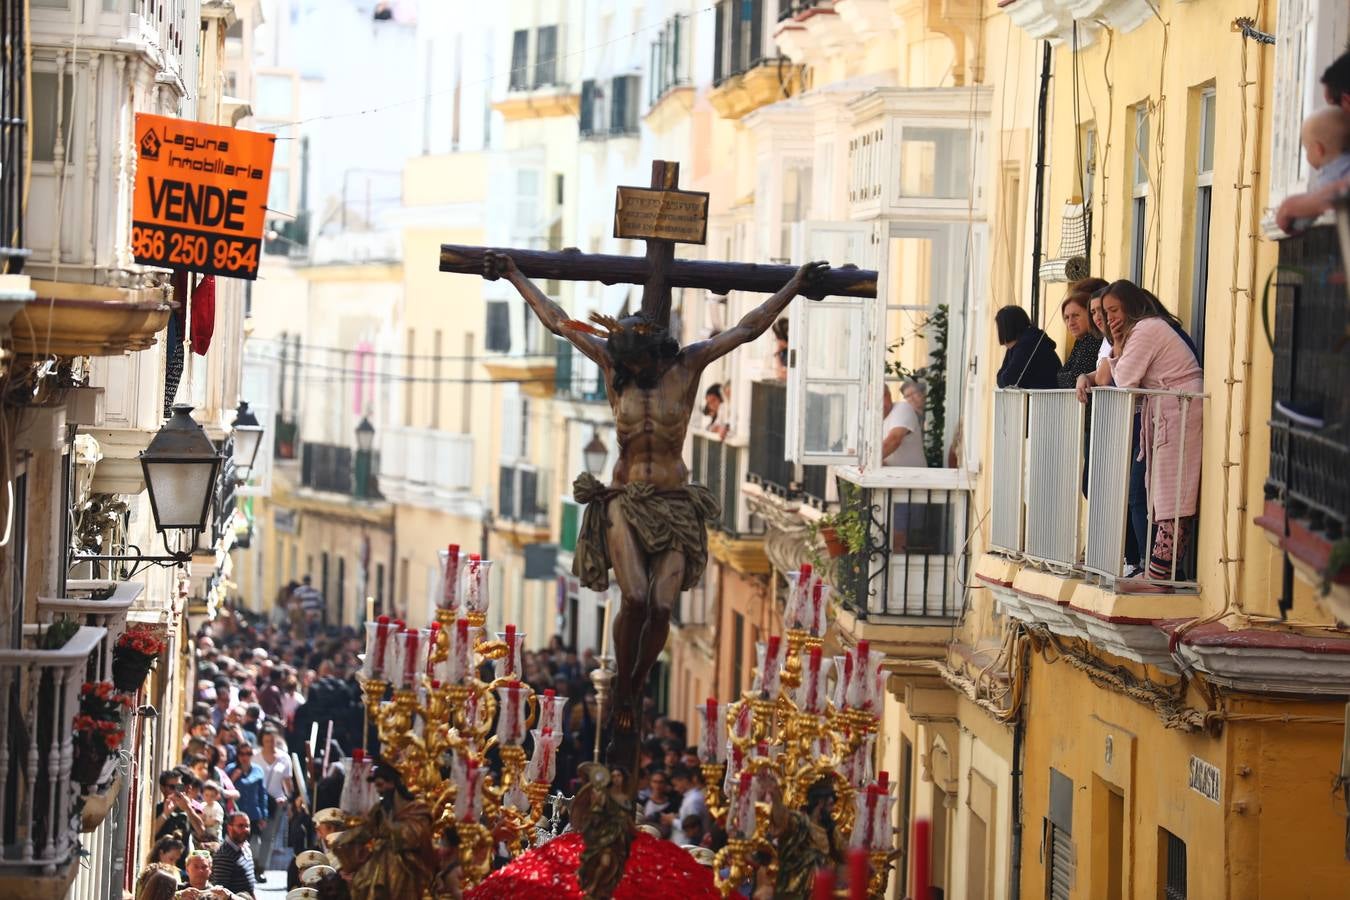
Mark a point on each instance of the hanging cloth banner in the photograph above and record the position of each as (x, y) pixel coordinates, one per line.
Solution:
(201, 196)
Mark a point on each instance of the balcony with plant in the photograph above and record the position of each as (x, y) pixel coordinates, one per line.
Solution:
(40, 700)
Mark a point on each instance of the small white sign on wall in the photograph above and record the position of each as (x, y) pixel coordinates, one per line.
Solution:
(1205, 779)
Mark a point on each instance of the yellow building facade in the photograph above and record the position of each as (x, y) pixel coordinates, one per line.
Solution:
(1064, 736)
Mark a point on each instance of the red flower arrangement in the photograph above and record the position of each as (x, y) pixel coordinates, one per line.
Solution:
(140, 640)
(97, 729)
(133, 656)
(87, 728)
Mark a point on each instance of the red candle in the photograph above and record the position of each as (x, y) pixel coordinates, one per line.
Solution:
(857, 874)
(358, 755)
(805, 573)
(381, 636)
(884, 781)
(922, 889)
(451, 586)
(824, 886)
(510, 649)
(815, 658)
(410, 658)
(772, 653)
(474, 557)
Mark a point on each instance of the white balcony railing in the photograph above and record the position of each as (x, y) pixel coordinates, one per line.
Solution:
(90, 603)
(422, 466)
(1112, 453)
(39, 699)
(1005, 470)
(1037, 479)
(1054, 465)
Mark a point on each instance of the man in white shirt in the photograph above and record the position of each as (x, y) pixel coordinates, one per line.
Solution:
(902, 428)
(689, 782)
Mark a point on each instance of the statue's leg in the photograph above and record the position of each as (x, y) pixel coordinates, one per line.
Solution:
(630, 565)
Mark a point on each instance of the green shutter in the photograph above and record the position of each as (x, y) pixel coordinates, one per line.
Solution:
(571, 518)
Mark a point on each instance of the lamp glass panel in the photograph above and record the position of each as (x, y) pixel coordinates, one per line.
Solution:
(180, 492)
(246, 439)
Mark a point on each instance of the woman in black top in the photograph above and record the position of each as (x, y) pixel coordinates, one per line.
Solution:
(1086, 340)
(1031, 361)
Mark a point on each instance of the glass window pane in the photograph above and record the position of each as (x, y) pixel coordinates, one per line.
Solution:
(1141, 145)
(279, 192)
(44, 114)
(935, 162)
(830, 422)
(272, 97)
(1207, 131)
(836, 337)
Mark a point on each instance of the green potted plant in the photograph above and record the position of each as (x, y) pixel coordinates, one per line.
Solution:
(845, 530)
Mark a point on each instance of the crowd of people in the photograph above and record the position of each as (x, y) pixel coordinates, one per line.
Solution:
(237, 808)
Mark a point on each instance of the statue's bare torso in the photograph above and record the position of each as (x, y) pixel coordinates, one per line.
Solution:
(651, 425)
(652, 398)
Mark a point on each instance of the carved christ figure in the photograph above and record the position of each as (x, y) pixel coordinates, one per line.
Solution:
(649, 525)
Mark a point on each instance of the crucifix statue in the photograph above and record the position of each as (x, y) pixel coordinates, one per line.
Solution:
(649, 524)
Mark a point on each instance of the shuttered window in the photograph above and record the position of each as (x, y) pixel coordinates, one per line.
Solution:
(623, 109)
(1059, 856)
(1174, 881)
(546, 56)
(587, 118)
(520, 60)
(498, 332)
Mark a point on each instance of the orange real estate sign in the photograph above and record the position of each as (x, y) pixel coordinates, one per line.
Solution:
(201, 195)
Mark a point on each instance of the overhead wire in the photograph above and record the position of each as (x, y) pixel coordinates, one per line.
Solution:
(385, 354)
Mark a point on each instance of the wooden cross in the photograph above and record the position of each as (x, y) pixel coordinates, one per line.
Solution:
(662, 215)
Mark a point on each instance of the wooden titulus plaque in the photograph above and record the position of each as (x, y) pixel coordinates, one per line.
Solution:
(663, 215)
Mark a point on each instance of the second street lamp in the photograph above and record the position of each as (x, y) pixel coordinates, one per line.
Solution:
(248, 434)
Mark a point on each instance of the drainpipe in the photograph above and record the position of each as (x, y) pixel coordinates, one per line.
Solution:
(1036, 250)
(1018, 759)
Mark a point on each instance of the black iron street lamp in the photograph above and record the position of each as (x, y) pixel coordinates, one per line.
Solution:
(181, 466)
(248, 434)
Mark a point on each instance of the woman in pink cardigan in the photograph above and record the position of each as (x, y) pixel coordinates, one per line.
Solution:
(1149, 352)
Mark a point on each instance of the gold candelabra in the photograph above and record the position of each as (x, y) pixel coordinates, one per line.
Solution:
(435, 717)
(798, 726)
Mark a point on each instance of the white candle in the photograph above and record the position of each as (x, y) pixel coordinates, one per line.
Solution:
(370, 609)
(604, 634)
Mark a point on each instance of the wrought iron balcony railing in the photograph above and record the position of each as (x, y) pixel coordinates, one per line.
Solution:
(912, 555)
(1309, 470)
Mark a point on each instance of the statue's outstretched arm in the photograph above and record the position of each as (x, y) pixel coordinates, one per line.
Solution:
(500, 265)
(759, 319)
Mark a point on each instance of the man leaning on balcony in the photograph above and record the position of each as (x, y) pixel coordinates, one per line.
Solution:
(902, 426)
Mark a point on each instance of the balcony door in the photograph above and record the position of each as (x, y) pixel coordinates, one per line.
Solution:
(828, 418)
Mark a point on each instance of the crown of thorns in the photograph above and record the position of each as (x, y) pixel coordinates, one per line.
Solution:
(613, 326)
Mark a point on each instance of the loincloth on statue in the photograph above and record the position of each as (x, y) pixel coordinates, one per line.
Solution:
(661, 519)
